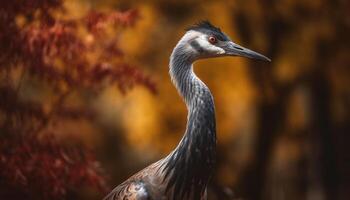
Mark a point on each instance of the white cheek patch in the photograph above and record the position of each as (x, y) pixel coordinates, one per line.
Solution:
(220, 50)
(197, 43)
(207, 47)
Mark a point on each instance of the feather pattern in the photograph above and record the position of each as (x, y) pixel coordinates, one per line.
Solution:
(185, 172)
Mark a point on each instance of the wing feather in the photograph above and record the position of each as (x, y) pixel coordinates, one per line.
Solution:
(131, 190)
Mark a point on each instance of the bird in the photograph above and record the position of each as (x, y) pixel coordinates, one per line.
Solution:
(185, 172)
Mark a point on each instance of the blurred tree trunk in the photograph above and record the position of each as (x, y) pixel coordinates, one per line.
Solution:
(273, 104)
(323, 134)
(271, 107)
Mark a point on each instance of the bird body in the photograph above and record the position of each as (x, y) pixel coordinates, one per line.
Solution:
(185, 172)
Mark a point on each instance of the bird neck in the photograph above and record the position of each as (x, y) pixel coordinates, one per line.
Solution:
(190, 165)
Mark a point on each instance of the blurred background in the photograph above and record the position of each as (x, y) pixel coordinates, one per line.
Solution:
(86, 99)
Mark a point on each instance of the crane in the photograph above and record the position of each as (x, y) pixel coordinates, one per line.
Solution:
(185, 172)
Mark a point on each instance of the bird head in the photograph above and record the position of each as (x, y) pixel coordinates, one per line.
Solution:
(203, 40)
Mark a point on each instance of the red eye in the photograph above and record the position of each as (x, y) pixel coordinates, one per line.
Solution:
(212, 39)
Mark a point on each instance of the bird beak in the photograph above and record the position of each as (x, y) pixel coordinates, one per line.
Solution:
(233, 49)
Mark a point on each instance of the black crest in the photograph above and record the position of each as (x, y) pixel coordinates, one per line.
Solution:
(207, 28)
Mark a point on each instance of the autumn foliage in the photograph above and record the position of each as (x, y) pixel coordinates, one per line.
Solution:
(44, 169)
(63, 55)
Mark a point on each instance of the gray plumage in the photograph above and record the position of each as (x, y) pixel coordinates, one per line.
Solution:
(185, 172)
